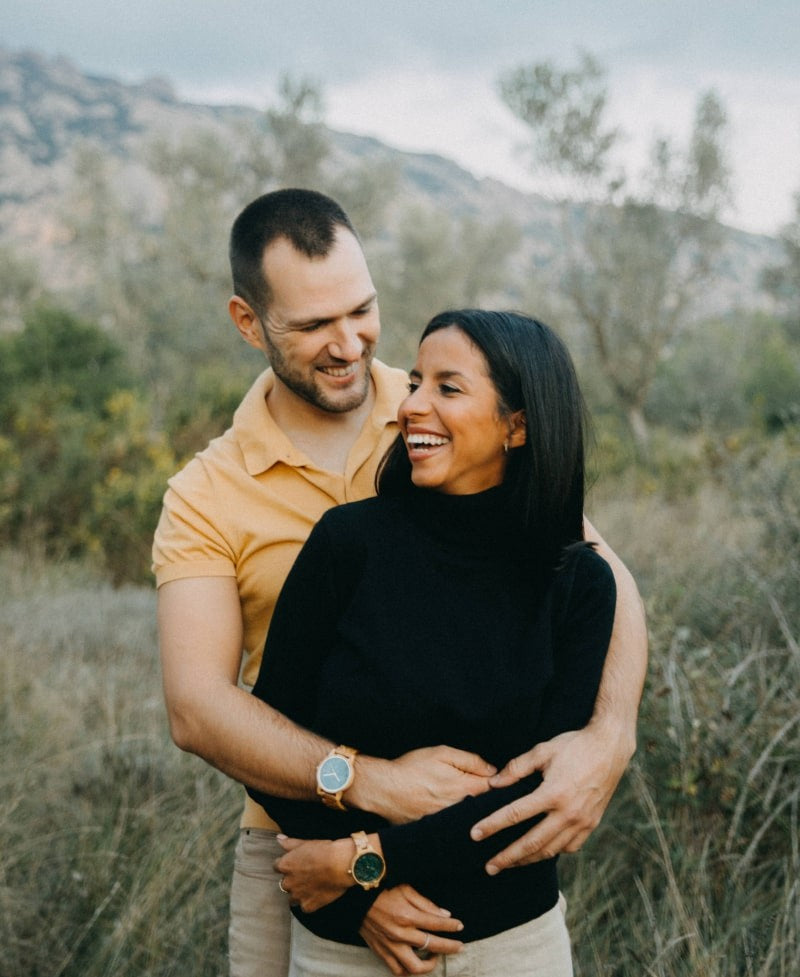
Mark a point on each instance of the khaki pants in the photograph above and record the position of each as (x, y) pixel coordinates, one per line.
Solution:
(536, 949)
(258, 938)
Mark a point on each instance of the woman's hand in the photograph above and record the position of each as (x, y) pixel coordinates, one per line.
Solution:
(315, 873)
(399, 923)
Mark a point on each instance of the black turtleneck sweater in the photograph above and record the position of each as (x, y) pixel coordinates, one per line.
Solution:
(412, 621)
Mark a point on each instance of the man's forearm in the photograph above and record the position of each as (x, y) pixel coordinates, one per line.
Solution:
(625, 668)
(250, 742)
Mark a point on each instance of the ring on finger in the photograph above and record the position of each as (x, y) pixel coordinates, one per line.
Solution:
(424, 946)
(280, 886)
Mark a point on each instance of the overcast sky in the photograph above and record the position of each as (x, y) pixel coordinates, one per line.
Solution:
(421, 74)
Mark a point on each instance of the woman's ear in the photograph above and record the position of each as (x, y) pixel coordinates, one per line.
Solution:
(247, 322)
(517, 429)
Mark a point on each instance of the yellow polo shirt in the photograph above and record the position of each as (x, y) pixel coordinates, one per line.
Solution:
(245, 505)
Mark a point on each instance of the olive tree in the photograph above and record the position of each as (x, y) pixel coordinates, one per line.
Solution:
(783, 280)
(638, 252)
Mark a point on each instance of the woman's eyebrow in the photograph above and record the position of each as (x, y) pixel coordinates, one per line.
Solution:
(441, 375)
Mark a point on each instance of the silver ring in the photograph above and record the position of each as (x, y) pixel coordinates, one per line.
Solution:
(280, 886)
(425, 944)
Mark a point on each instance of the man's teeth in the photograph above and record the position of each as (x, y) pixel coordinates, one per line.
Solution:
(340, 371)
(428, 440)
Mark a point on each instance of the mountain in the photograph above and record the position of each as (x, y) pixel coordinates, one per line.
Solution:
(48, 107)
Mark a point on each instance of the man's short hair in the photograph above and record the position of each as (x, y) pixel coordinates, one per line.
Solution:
(304, 217)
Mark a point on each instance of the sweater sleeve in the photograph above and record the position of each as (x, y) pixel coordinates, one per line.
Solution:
(297, 643)
(441, 843)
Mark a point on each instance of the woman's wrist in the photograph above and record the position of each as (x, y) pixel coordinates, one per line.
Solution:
(342, 852)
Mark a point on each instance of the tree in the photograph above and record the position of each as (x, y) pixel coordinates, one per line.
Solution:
(300, 139)
(82, 472)
(436, 263)
(19, 286)
(783, 281)
(636, 256)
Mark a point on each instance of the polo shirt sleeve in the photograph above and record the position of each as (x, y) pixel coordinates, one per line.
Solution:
(441, 843)
(190, 539)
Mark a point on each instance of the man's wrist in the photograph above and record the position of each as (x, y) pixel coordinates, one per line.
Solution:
(372, 789)
(618, 733)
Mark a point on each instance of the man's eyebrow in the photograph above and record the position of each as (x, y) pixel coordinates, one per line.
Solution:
(301, 323)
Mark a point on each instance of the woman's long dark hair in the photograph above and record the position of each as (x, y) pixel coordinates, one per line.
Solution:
(531, 370)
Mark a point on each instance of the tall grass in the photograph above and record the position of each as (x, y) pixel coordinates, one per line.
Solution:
(116, 848)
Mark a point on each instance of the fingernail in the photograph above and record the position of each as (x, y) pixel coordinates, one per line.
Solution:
(492, 869)
(445, 912)
(282, 837)
(476, 834)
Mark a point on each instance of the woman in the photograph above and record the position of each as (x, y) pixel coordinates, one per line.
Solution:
(461, 606)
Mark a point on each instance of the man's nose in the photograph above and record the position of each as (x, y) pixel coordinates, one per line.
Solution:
(346, 343)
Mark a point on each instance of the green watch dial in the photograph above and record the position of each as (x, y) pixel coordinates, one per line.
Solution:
(368, 867)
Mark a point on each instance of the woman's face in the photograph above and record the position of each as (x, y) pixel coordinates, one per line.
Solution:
(450, 420)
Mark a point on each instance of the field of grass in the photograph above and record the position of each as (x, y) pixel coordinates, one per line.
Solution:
(116, 849)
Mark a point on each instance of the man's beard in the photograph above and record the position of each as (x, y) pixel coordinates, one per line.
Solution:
(307, 389)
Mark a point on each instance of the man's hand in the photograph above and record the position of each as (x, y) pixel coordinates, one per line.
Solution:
(581, 770)
(421, 782)
(399, 923)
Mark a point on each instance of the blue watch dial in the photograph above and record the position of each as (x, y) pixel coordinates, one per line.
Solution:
(334, 773)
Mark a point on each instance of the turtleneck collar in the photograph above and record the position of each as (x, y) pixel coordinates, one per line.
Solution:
(483, 522)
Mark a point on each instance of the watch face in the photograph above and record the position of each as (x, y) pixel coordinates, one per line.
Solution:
(368, 867)
(334, 774)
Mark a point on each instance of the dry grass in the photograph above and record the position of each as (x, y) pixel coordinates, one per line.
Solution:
(116, 848)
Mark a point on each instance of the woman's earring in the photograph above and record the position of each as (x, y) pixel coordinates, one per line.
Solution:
(505, 447)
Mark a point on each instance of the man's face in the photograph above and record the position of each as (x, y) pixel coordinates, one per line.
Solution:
(322, 324)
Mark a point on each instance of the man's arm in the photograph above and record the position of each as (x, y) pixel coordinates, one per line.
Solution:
(581, 769)
(200, 636)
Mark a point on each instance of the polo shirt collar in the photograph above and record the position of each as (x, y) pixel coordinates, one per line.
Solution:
(263, 443)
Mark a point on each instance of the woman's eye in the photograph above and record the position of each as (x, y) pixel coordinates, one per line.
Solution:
(447, 389)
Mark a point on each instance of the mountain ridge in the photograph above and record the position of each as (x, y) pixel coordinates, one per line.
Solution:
(49, 106)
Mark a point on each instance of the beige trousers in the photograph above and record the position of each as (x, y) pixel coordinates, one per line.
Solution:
(258, 936)
(536, 949)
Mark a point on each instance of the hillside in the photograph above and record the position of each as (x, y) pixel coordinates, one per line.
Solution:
(48, 107)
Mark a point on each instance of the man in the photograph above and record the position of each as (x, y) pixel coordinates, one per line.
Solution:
(308, 435)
